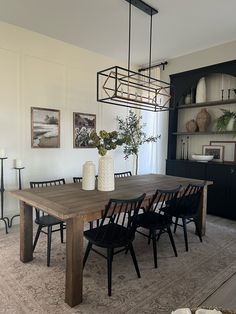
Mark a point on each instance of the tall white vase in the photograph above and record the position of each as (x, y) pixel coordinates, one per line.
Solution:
(88, 182)
(201, 91)
(106, 180)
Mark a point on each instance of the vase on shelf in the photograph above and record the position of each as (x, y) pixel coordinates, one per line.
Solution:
(201, 91)
(203, 120)
(191, 126)
(230, 125)
(88, 182)
(106, 180)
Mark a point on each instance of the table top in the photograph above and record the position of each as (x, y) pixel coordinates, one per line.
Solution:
(69, 200)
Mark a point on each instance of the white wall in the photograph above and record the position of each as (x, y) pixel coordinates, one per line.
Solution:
(37, 71)
(191, 61)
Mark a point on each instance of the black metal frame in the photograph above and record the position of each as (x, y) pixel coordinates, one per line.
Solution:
(126, 88)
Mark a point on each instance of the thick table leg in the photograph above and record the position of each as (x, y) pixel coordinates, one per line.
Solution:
(203, 211)
(26, 233)
(74, 261)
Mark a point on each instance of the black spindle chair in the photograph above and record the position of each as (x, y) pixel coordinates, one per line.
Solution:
(157, 218)
(115, 231)
(46, 221)
(188, 209)
(122, 174)
(77, 179)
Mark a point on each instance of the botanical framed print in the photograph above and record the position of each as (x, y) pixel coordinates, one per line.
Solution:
(83, 125)
(217, 151)
(45, 128)
(229, 149)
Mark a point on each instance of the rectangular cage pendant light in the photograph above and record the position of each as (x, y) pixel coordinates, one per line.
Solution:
(123, 87)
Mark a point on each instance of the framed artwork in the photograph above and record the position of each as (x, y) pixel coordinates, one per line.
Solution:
(83, 125)
(216, 150)
(229, 149)
(45, 128)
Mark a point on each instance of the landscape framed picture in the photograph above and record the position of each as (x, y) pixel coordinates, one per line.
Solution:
(216, 150)
(45, 128)
(83, 125)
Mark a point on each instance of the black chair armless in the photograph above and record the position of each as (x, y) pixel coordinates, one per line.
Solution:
(115, 231)
(46, 221)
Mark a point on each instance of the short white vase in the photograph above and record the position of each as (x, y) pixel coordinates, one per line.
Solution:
(106, 180)
(88, 182)
(230, 125)
(201, 91)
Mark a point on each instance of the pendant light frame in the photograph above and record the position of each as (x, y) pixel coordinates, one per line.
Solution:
(124, 87)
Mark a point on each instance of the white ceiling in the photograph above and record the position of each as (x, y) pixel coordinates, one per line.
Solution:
(180, 27)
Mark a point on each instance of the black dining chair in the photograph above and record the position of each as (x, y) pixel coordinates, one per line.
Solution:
(157, 218)
(188, 209)
(115, 232)
(122, 174)
(45, 221)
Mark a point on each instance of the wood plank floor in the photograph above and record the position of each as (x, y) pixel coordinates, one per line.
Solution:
(224, 296)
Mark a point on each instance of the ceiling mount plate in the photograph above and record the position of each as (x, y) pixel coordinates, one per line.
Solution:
(143, 6)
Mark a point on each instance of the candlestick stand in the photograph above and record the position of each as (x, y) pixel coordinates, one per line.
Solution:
(2, 218)
(20, 187)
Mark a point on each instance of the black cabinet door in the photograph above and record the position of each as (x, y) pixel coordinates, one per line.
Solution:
(232, 193)
(218, 193)
(176, 168)
(186, 169)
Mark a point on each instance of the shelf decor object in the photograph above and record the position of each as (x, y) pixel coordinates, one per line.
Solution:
(191, 126)
(201, 91)
(227, 121)
(18, 167)
(202, 158)
(203, 120)
(217, 151)
(229, 149)
(124, 87)
(2, 190)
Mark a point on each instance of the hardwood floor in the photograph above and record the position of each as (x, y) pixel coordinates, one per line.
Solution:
(224, 296)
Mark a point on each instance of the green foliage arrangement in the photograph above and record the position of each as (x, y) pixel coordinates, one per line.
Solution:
(223, 120)
(132, 134)
(105, 141)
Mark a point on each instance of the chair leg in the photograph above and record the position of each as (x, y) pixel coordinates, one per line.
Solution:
(134, 259)
(172, 241)
(154, 244)
(197, 228)
(91, 225)
(185, 233)
(37, 237)
(89, 246)
(61, 232)
(49, 245)
(149, 236)
(176, 222)
(109, 269)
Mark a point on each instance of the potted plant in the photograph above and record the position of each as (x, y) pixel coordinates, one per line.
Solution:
(105, 141)
(227, 121)
(132, 135)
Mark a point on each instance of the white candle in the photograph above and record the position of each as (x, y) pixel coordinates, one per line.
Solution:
(222, 81)
(2, 153)
(18, 163)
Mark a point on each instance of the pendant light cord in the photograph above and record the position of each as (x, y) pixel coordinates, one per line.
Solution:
(150, 47)
(129, 35)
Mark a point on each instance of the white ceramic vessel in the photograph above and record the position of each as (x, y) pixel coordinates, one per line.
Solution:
(201, 91)
(202, 158)
(88, 182)
(106, 180)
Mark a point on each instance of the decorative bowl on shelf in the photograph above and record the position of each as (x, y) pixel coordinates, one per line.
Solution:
(202, 158)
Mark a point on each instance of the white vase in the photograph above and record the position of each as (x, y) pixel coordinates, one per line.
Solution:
(88, 182)
(230, 125)
(201, 91)
(106, 180)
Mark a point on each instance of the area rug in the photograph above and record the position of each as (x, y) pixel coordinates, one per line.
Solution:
(183, 281)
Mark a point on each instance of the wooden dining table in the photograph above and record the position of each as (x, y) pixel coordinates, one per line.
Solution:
(76, 206)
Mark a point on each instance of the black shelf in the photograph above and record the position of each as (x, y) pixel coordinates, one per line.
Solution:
(208, 104)
(204, 133)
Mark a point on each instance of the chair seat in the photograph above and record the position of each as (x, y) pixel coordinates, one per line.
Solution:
(152, 220)
(47, 220)
(118, 236)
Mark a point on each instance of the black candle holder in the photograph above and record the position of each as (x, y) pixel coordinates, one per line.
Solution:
(20, 188)
(2, 190)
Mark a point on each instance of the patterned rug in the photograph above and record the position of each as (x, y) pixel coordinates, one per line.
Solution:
(183, 281)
